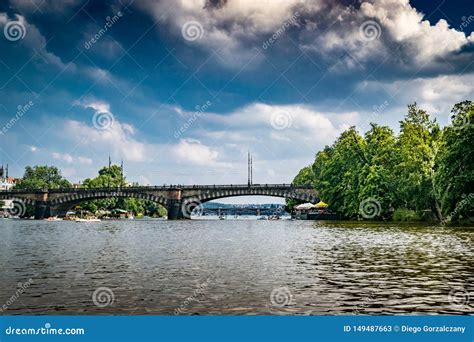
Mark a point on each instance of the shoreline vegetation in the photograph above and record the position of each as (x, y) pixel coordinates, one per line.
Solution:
(425, 173)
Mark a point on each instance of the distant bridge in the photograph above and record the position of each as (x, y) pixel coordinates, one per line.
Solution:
(179, 200)
(238, 211)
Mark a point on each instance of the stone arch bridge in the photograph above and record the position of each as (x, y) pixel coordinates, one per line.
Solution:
(180, 201)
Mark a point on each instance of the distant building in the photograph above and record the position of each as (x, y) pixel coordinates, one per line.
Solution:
(6, 183)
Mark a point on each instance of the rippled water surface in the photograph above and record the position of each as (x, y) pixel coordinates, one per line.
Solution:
(234, 267)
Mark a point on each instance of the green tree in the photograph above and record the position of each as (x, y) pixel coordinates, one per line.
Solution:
(42, 177)
(338, 179)
(418, 144)
(454, 177)
(112, 177)
(304, 177)
(377, 178)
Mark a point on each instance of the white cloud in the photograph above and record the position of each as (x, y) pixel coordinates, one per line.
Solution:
(117, 139)
(437, 95)
(70, 159)
(194, 152)
(406, 26)
(302, 125)
(234, 27)
(97, 105)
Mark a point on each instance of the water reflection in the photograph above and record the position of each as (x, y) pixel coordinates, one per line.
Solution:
(236, 267)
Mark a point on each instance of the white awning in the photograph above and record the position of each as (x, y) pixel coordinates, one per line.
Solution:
(304, 206)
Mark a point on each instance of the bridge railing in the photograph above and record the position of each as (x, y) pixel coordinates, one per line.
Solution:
(162, 187)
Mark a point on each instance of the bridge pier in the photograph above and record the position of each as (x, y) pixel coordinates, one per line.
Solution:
(175, 204)
(42, 210)
(174, 210)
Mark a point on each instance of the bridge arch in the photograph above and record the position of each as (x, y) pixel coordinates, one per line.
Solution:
(189, 203)
(61, 205)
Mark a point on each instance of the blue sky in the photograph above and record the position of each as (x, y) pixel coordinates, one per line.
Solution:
(181, 90)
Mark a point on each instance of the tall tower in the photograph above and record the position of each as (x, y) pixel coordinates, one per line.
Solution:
(248, 168)
(251, 169)
(121, 173)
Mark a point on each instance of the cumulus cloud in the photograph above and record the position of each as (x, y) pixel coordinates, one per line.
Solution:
(71, 159)
(118, 138)
(299, 124)
(194, 152)
(234, 27)
(437, 94)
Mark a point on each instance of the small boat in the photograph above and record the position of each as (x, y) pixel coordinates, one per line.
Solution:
(88, 220)
(53, 218)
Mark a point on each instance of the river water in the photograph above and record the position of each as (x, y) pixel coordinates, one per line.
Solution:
(234, 267)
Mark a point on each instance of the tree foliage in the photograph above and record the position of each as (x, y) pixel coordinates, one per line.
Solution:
(454, 176)
(42, 177)
(423, 169)
(112, 177)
